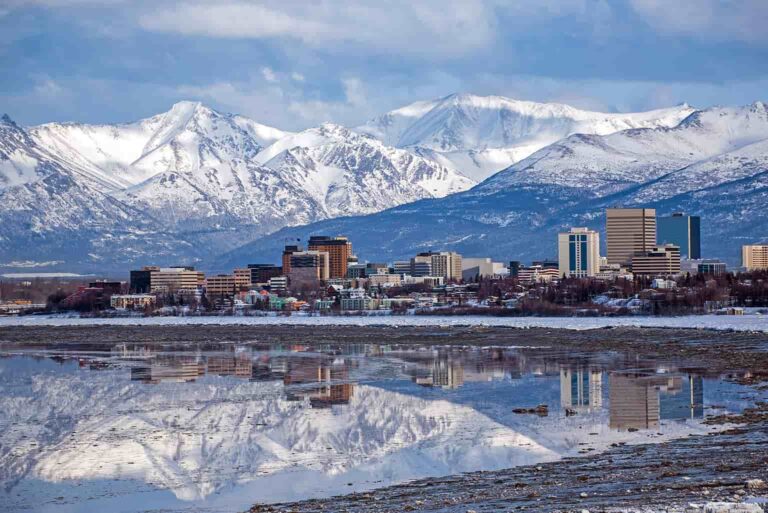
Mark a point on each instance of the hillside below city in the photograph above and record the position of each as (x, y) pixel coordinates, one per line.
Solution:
(486, 176)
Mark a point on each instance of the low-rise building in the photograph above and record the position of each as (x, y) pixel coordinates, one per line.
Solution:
(242, 278)
(171, 279)
(384, 280)
(474, 268)
(713, 267)
(660, 261)
(132, 301)
(278, 284)
(221, 285)
(537, 273)
(261, 273)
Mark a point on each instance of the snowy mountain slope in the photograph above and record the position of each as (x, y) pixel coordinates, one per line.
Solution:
(18, 164)
(713, 163)
(49, 213)
(353, 174)
(127, 154)
(481, 135)
(721, 136)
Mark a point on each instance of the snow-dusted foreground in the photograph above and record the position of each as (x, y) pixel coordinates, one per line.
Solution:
(714, 322)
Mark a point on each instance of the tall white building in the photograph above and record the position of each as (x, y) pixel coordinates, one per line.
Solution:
(579, 253)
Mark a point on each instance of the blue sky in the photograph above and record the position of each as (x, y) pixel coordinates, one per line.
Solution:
(295, 64)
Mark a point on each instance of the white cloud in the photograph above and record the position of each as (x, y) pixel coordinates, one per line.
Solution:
(743, 20)
(446, 27)
(268, 74)
(298, 77)
(353, 91)
(283, 105)
(46, 88)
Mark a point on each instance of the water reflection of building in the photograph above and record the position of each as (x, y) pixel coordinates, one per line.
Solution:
(685, 400)
(174, 369)
(444, 373)
(580, 389)
(640, 401)
(239, 366)
(326, 381)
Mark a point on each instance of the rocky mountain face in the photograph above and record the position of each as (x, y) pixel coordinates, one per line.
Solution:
(714, 164)
(481, 135)
(210, 180)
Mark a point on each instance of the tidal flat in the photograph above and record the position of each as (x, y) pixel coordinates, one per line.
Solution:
(380, 418)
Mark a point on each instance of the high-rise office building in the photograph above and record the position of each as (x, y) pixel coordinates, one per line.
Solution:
(754, 257)
(579, 253)
(308, 268)
(287, 252)
(629, 231)
(443, 263)
(339, 251)
(141, 280)
(682, 231)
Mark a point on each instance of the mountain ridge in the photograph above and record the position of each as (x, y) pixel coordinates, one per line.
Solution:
(217, 189)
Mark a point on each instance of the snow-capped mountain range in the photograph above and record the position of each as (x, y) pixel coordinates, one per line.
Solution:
(714, 164)
(193, 183)
(481, 135)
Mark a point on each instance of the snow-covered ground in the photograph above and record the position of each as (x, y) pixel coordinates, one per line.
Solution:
(716, 322)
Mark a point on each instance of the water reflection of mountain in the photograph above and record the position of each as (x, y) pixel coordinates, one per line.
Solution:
(198, 438)
(641, 401)
(198, 422)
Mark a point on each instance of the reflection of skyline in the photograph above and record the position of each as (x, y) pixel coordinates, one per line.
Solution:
(580, 389)
(326, 374)
(641, 401)
(443, 373)
(168, 369)
(297, 373)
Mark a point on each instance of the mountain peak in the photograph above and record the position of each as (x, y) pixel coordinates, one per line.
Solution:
(187, 105)
(6, 120)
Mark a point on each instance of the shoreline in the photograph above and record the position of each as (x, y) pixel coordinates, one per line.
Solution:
(712, 349)
(747, 323)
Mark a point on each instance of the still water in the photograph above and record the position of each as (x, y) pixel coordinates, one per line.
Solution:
(220, 427)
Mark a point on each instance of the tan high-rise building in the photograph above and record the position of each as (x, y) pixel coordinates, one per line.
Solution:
(629, 231)
(339, 250)
(754, 257)
(444, 263)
